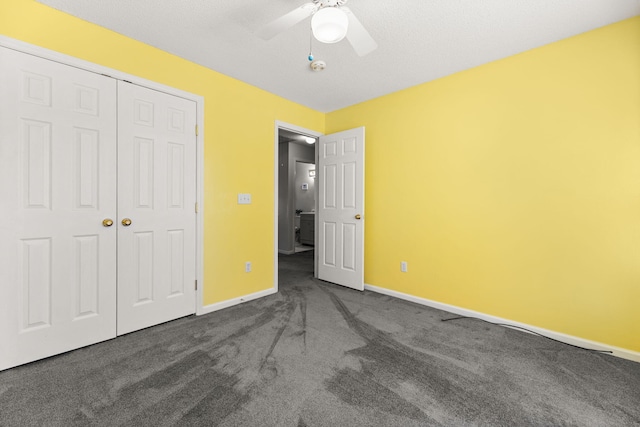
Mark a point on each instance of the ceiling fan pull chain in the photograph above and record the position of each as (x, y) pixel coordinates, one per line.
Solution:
(310, 57)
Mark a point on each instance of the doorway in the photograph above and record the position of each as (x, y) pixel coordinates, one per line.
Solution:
(295, 157)
(338, 218)
(296, 189)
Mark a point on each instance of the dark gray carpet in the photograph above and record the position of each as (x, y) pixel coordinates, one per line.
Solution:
(317, 354)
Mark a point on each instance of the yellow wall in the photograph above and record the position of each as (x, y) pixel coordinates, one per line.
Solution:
(239, 132)
(513, 188)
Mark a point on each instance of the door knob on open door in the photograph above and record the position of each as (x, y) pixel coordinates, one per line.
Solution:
(358, 216)
(126, 222)
(107, 222)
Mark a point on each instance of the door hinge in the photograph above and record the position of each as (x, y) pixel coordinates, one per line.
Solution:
(196, 207)
(196, 129)
(196, 284)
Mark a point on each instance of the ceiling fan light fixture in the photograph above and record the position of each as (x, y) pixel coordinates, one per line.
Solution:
(329, 25)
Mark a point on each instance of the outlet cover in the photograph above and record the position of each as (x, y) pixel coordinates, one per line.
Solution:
(244, 198)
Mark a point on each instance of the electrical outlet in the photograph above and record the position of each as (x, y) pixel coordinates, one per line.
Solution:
(247, 267)
(403, 266)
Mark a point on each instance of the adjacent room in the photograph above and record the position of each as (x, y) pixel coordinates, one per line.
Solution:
(319, 213)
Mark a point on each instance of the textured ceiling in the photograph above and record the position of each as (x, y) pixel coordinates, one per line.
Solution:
(419, 40)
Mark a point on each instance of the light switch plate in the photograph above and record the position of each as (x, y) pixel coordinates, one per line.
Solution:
(244, 198)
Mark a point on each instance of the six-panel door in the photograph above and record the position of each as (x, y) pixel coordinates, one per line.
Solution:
(341, 208)
(57, 186)
(157, 194)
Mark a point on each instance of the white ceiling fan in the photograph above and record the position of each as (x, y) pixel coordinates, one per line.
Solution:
(331, 22)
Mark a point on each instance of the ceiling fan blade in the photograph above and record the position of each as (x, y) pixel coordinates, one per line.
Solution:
(358, 36)
(287, 21)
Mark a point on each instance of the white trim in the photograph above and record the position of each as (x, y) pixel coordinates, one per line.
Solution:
(118, 75)
(283, 252)
(569, 339)
(200, 214)
(316, 221)
(235, 301)
(276, 167)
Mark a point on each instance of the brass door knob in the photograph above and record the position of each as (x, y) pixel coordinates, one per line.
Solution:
(126, 222)
(358, 216)
(107, 222)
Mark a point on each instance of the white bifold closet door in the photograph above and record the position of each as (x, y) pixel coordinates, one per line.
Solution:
(79, 153)
(57, 185)
(157, 194)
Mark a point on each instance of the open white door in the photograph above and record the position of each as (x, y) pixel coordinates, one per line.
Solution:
(341, 208)
(156, 207)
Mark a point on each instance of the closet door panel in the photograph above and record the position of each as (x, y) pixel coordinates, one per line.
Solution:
(58, 184)
(157, 194)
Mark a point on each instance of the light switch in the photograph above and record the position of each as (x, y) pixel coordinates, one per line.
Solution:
(244, 198)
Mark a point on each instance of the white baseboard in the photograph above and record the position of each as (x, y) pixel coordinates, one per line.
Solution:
(569, 339)
(283, 252)
(235, 301)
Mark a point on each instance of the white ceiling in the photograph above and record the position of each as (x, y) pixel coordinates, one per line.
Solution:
(285, 135)
(419, 40)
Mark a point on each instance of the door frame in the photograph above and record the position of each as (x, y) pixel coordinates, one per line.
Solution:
(51, 55)
(276, 167)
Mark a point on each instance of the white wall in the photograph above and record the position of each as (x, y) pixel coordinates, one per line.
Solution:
(283, 189)
(288, 156)
(304, 199)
